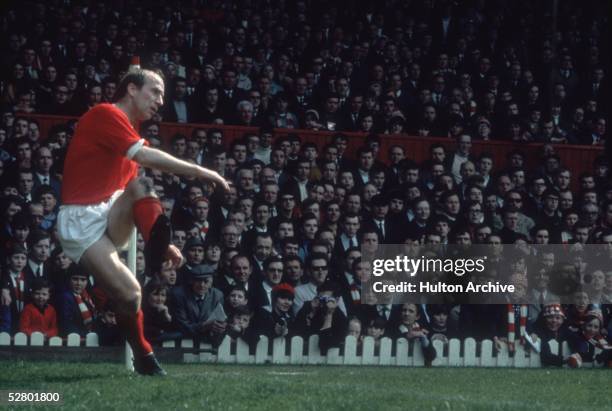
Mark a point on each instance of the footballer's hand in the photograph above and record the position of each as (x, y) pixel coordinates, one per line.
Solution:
(213, 177)
(218, 179)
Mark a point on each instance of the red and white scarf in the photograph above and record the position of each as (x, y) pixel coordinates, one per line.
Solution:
(512, 325)
(598, 341)
(203, 227)
(18, 281)
(86, 308)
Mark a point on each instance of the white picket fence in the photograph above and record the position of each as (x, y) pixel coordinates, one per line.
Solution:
(457, 353)
(406, 354)
(38, 340)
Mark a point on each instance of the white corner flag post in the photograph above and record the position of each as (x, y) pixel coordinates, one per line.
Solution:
(131, 263)
(132, 250)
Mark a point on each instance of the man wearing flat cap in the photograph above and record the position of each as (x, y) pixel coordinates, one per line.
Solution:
(194, 303)
(194, 255)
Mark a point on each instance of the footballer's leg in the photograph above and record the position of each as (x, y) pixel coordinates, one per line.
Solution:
(138, 205)
(102, 261)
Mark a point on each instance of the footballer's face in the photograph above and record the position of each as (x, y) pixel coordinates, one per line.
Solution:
(150, 97)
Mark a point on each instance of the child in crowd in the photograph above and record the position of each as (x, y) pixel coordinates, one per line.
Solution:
(376, 329)
(158, 323)
(280, 322)
(551, 326)
(411, 329)
(167, 276)
(58, 276)
(354, 328)
(440, 328)
(15, 285)
(212, 254)
(577, 312)
(105, 326)
(39, 315)
(236, 298)
(240, 326)
(587, 340)
(76, 309)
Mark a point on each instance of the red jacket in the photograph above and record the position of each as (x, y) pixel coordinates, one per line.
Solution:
(32, 319)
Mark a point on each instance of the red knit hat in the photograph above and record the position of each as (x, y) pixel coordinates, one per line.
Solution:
(283, 290)
(553, 309)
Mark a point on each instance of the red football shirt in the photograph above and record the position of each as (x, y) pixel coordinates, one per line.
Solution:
(96, 164)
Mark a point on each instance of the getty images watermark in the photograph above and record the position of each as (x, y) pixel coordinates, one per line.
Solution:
(485, 274)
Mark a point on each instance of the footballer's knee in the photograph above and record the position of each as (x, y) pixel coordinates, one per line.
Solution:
(129, 300)
(141, 187)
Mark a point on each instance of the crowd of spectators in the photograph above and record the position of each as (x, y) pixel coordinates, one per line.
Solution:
(505, 70)
(280, 253)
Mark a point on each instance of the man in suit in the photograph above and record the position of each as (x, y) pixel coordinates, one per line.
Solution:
(43, 175)
(39, 243)
(396, 154)
(239, 275)
(365, 158)
(208, 105)
(298, 185)
(230, 94)
(352, 112)
(273, 274)
(331, 116)
(300, 101)
(348, 234)
(261, 216)
(194, 303)
(178, 109)
(261, 252)
(540, 294)
(378, 222)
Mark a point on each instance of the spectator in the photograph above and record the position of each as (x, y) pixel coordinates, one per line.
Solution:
(15, 285)
(193, 305)
(159, 324)
(76, 310)
(551, 327)
(410, 328)
(322, 316)
(585, 341)
(280, 321)
(475, 87)
(39, 315)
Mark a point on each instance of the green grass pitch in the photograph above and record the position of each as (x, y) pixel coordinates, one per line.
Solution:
(102, 386)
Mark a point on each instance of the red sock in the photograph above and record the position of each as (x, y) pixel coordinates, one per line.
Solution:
(133, 328)
(146, 210)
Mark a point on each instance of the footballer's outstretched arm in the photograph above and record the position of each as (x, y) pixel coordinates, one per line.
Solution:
(153, 158)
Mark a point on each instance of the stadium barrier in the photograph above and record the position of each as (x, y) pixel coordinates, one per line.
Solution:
(297, 351)
(577, 158)
(38, 339)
